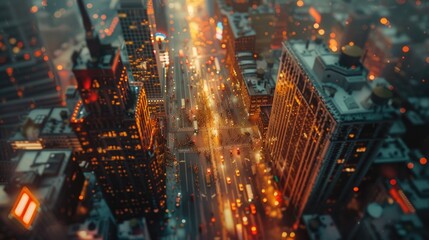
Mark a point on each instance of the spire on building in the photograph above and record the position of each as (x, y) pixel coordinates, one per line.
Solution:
(92, 39)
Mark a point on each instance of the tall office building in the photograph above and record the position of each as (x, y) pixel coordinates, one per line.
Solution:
(138, 27)
(27, 78)
(113, 125)
(326, 124)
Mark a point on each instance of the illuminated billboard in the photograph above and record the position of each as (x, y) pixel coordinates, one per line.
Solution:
(219, 30)
(25, 208)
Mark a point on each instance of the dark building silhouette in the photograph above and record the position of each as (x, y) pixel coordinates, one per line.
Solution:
(113, 125)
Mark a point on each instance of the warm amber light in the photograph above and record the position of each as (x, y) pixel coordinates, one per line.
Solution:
(21, 204)
(34, 9)
(371, 77)
(321, 32)
(25, 208)
(405, 49)
(423, 161)
(384, 21)
(355, 189)
(300, 3)
(316, 26)
(30, 212)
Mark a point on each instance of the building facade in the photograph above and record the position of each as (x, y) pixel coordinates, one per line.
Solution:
(327, 122)
(28, 79)
(113, 125)
(138, 26)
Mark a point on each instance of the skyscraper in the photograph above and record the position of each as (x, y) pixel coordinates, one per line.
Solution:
(138, 27)
(27, 78)
(113, 126)
(326, 124)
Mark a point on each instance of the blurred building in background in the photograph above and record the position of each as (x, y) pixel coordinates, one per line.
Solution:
(28, 79)
(41, 198)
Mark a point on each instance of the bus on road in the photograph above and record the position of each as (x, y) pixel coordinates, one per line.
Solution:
(183, 103)
(249, 192)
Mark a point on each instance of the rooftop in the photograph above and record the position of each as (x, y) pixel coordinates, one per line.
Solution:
(393, 222)
(258, 75)
(43, 171)
(346, 91)
(58, 122)
(392, 150)
(240, 24)
(321, 227)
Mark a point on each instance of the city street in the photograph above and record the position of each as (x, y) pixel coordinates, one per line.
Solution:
(215, 151)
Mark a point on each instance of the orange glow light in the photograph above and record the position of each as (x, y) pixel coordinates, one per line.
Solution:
(384, 21)
(355, 189)
(371, 77)
(34, 9)
(423, 161)
(316, 26)
(321, 31)
(392, 181)
(300, 3)
(59, 67)
(314, 13)
(410, 165)
(405, 49)
(25, 208)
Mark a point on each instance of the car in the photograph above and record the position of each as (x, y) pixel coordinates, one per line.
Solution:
(246, 210)
(253, 208)
(233, 206)
(240, 187)
(238, 151)
(253, 230)
(222, 160)
(237, 172)
(245, 221)
(209, 171)
(228, 180)
(192, 197)
(178, 199)
(238, 200)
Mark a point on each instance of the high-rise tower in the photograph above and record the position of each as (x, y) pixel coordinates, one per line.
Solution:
(138, 27)
(113, 125)
(27, 77)
(327, 122)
